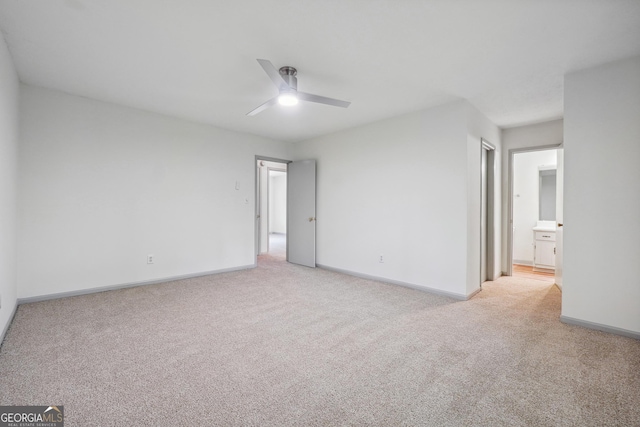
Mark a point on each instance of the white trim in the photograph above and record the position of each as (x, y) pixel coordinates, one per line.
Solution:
(454, 295)
(256, 228)
(509, 218)
(487, 145)
(490, 235)
(600, 327)
(39, 298)
(8, 325)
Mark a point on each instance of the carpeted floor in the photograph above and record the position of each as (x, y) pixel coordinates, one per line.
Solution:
(287, 345)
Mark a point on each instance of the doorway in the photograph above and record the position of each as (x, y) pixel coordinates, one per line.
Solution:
(271, 207)
(487, 205)
(535, 198)
(299, 242)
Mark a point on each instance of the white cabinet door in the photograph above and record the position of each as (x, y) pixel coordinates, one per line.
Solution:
(545, 256)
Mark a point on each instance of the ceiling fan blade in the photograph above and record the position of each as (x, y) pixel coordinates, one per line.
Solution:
(322, 100)
(264, 106)
(273, 74)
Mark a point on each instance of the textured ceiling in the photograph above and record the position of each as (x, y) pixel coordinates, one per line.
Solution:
(196, 59)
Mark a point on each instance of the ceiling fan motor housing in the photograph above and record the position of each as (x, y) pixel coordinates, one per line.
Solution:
(289, 76)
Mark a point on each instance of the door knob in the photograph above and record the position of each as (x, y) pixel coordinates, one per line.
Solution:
(560, 224)
(311, 219)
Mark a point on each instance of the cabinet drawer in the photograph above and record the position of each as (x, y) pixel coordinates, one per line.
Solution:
(546, 235)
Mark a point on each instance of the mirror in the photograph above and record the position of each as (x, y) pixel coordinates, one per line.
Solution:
(547, 194)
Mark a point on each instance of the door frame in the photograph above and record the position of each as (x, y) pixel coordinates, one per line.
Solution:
(559, 267)
(269, 170)
(490, 218)
(256, 227)
(512, 153)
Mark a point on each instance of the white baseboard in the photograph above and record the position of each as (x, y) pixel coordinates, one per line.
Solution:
(9, 322)
(39, 298)
(522, 262)
(599, 327)
(473, 294)
(459, 297)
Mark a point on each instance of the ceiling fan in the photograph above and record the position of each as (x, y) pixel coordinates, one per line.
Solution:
(287, 83)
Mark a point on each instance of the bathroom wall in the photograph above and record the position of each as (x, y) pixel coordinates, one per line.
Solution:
(525, 200)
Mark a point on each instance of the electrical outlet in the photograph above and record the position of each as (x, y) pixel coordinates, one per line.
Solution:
(150, 259)
(381, 259)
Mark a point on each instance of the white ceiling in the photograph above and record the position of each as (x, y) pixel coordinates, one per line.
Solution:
(196, 59)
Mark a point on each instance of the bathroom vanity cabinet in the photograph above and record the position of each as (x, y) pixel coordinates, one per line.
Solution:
(544, 240)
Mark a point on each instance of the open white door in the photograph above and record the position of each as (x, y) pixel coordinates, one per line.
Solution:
(559, 215)
(301, 213)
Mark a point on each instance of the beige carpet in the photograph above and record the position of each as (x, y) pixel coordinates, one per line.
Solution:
(287, 345)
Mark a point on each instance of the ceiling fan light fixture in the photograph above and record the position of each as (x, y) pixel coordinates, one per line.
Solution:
(287, 83)
(288, 99)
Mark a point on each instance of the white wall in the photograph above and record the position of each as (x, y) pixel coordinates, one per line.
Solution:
(602, 196)
(531, 136)
(525, 200)
(400, 188)
(9, 88)
(278, 202)
(101, 186)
